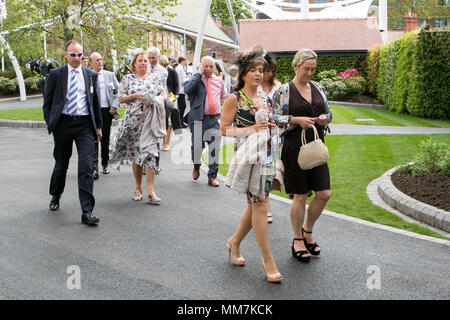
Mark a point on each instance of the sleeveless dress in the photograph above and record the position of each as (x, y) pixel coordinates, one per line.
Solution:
(245, 117)
(296, 180)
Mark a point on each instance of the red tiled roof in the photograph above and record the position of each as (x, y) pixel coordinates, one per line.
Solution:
(320, 34)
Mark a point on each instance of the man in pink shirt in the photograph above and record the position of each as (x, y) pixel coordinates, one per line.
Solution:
(206, 94)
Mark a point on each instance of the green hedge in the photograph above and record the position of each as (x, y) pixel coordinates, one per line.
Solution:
(430, 95)
(400, 89)
(371, 65)
(285, 71)
(386, 72)
(414, 74)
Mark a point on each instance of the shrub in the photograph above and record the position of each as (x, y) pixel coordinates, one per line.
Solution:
(10, 73)
(8, 85)
(432, 157)
(335, 89)
(372, 65)
(402, 76)
(413, 74)
(429, 95)
(330, 74)
(342, 85)
(32, 83)
(285, 71)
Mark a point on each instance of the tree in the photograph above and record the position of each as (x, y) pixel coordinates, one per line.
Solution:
(101, 25)
(240, 10)
(423, 8)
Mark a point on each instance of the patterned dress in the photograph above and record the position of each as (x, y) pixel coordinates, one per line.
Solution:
(136, 138)
(245, 117)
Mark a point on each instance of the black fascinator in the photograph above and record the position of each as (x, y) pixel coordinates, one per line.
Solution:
(244, 57)
(270, 57)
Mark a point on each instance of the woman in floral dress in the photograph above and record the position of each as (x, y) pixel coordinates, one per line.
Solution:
(144, 122)
(238, 120)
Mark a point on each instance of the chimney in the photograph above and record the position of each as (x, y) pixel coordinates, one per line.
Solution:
(410, 22)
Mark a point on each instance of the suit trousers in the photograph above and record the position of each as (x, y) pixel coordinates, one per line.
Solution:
(173, 113)
(206, 131)
(181, 104)
(82, 132)
(106, 132)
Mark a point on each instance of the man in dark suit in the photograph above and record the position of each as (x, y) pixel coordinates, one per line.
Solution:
(206, 94)
(107, 87)
(72, 113)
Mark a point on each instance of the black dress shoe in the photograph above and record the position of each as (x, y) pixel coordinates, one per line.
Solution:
(54, 203)
(96, 176)
(106, 170)
(88, 218)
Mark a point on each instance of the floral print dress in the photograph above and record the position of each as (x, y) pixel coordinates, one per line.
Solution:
(245, 117)
(136, 138)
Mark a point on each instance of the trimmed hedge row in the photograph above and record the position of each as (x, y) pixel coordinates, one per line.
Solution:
(285, 72)
(414, 74)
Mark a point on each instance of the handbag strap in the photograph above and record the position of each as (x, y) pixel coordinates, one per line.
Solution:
(316, 134)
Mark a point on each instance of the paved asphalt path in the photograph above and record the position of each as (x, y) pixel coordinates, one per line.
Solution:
(35, 101)
(177, 250)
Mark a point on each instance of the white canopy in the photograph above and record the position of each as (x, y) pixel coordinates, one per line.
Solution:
(188, 14)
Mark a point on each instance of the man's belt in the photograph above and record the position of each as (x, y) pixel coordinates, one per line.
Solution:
(211, 115)
(75, 117)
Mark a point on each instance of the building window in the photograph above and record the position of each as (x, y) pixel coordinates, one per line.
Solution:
(440, 23)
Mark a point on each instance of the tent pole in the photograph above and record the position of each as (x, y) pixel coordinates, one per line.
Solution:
(199, 41)
(233, 20)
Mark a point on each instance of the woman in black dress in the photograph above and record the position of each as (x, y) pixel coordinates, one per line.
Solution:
(305, 103)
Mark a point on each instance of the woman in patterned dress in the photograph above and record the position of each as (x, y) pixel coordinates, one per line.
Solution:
(144, 122)
(238, 120)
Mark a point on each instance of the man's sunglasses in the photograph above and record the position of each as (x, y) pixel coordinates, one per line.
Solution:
(73, 54)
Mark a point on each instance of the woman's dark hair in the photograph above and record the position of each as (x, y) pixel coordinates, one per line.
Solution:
(247, 60)
(271, 65)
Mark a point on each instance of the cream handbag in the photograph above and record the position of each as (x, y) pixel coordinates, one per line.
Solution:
(312, 154)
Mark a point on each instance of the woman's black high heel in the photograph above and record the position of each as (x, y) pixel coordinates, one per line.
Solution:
(311, 247)
(300, 255)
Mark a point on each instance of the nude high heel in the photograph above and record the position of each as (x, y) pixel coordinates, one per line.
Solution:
(240, 261)
(274, 277)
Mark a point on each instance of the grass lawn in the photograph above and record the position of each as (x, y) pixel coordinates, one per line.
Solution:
(341, 115)
(33, 114)
(354, 162)
(382, 117)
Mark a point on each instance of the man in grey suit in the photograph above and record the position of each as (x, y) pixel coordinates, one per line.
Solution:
(72, 113)
(107, 86)
(206, 94)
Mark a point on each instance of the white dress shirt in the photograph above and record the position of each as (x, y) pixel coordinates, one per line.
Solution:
(161, 72)
(181, 77)
(102, 90)
(82, 109)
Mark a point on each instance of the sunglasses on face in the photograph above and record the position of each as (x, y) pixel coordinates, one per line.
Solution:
(73, 54)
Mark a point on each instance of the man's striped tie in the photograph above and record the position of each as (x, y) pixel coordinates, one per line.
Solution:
(72, 106)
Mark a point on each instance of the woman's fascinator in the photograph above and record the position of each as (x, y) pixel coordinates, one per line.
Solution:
(245, 57)
(270, 57)
(133, 52)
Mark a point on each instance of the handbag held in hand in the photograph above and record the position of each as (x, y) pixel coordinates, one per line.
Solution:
(312, 154)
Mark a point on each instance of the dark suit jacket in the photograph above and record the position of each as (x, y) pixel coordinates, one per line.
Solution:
(196, 90)
(172, 81)
(55, 97)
